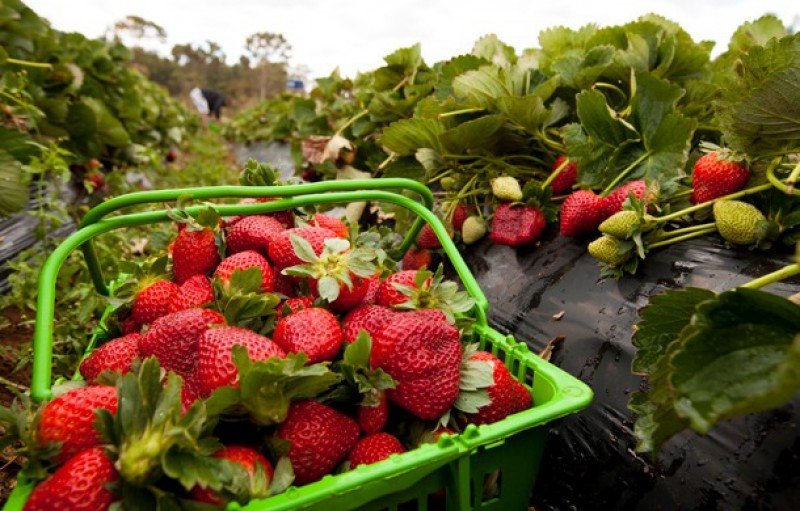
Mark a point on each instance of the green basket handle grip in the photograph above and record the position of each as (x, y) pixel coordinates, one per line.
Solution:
(218, 192)
(43, 333)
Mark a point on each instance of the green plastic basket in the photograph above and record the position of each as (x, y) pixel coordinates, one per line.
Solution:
(507, 453)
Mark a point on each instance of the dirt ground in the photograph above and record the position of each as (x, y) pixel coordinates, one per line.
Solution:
(14, 338)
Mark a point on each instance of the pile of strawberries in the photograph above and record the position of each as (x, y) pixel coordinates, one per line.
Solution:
(264, 351)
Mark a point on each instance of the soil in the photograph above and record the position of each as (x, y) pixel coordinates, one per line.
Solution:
(16, 338)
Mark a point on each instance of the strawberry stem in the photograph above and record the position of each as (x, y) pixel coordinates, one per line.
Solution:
(28, 63)
(350, 122)
(624, 173)
(389, 159)
(776, 276)
(702, 205)
(555, 173)
(686, 230)
(685, 237)
(453, 113)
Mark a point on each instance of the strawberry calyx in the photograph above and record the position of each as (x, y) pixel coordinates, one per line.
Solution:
(359, 375)
(335, 267)
(243, 302)
(432, 291)
(475, 377)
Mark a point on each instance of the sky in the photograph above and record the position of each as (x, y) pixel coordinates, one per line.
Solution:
(355, 35)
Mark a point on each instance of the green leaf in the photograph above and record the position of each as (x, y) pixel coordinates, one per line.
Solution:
(303, 249)
(357, 353)
(743, 357)
(530, 112)
(491, 48)
(282, 477)
(475, 135)
(13, 185)
(18, 144)
(404, 137)
(756, 33)
(481, 87)
(661, 323)
(405, 167)
(328, 288)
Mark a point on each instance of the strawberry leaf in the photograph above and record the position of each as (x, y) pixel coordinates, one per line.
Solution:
(356, 353)
(303, 248)
(283, 476)
(328, 287)
(404, 137)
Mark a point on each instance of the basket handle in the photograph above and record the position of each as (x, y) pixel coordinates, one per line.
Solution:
(43, 333)
(218, 192)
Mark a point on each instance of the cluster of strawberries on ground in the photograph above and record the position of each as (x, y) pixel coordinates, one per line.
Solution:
(330, 356)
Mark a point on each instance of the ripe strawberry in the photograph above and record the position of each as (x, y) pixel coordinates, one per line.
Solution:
(713, 178)
(172, 339)
(286, 218)
(427, 239)
(281, 252)
(388, 295)
(81, 484)
(194, 253)
(189, 392)
(247, 458)
(516, 225)
(369, 318)
(372, 419)
(215, 367)
(153, 301)
(320, 438)
(568, 176)
(374, 448)
(417, 258)
(373, 283)
(196, 291)
(293, 305)
(282, 284)
(348, 297)
(252, 233)
(334, 224)
(69, 419)
(115, 355)
(612, 203)
(96, 182)
(581, 213)
(505, 393)
(314, 331)
(460, 214)
(740, 223)
(422, 352)
(243, 261)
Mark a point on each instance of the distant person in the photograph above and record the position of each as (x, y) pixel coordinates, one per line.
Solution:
(208, 102)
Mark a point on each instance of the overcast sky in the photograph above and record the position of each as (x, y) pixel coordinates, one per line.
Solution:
(355, 35)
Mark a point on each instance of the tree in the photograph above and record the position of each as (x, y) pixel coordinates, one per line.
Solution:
(137, 28)
(267, 48)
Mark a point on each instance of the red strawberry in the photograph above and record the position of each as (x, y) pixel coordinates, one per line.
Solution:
(252, 233)
(516, 225)
(372, 419)
(581, 213)
(194, 253)
(422, 352)
(281, 252)
(370, 318)
(172, 339)
(294, 305)
(460, 214)
(427, 238)
(612, 203)
(189, 392)
(348, 297)
(320, 438)
(388, 295)
(286, 218)
(374, 283)
(374, 448)
(243, 261)
(314, 331)
(115, 355)
(153, 301)
(713, 178)
(334, 224)
(196, 291)
(247, 458)
(215, 366)
(417, 258)
(505, 393)
(566, 178)
(81, 484)
(69, 419)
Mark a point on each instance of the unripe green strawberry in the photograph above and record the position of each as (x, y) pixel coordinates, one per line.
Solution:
(474, 229)
(506, 188)
(740, 223)
(606, 249)
(620, 224)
